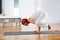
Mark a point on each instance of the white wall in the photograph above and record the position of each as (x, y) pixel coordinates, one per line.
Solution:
(27, 8)
(8, 9)
(51, 7)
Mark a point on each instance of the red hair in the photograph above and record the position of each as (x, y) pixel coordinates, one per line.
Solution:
(25, 21)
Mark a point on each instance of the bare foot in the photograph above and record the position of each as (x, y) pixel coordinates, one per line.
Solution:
(49, 27)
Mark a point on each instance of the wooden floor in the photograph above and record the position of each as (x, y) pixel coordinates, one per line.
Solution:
(29, 37)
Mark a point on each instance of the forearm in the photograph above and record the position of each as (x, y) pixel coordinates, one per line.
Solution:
(38, 28)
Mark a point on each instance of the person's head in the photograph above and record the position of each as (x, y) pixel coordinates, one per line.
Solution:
(25, 22)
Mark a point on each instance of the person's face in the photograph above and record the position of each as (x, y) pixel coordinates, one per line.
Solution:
(26, 23)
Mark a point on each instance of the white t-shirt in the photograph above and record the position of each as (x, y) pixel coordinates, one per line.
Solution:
(39, 18)
(30, 27)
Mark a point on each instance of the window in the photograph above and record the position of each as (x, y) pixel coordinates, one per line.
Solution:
(16, 8)
(16, 3)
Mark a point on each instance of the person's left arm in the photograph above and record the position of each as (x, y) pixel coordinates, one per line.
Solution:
(31, 20)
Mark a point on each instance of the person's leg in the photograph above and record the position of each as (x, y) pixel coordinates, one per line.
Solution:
(49, 27)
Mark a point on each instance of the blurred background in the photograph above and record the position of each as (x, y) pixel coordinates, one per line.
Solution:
(26, 8)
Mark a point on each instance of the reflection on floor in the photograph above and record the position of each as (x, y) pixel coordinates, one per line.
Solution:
(28, 37)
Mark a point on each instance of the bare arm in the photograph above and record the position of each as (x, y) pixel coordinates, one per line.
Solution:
(31, 20)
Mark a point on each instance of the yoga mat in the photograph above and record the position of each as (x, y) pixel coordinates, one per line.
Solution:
(31, 32)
